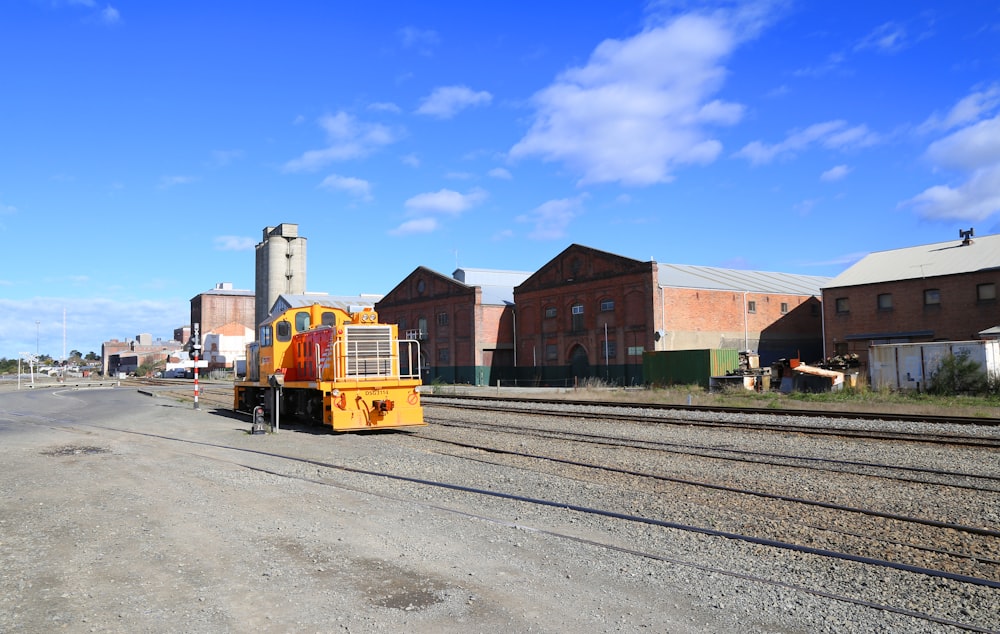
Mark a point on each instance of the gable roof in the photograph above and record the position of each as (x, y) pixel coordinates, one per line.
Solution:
(713, 278)
(577, 263)
(928, 260)
(284, 302)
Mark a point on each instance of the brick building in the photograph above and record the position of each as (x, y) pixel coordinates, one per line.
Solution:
(222, 306)
(945, 291)
(465, 323)
(591, 313)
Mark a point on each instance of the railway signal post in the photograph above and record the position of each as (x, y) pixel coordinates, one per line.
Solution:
(195, 350)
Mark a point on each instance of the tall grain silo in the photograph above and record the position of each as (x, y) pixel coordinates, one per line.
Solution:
(281, 267)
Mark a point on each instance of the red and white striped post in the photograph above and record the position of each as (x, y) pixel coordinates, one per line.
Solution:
(196, 349)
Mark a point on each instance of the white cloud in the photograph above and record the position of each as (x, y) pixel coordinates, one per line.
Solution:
(836, 173)
(418, 225)
(7, 209)
(110, 15)
(640, 107)
(833, 135)
(385, 106)
(356, 187)
(501, 173)
(423, 208)
(348, 139)
(976, 199)
(421, 39)
(222, 158)
(972, 147)
(447, 101)
(445, 201)
(233, 243)
(968, 109)
(170, 181)
(552, 218)
(887, 38)
(974, 153)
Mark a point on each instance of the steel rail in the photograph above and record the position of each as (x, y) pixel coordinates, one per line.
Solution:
(614, 515)
(955, 439)
(885, 416)
(705, 451)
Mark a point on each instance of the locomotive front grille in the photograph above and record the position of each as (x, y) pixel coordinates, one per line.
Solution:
(368, 351)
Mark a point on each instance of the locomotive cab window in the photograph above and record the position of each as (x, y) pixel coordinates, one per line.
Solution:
(265, 335)
(329, 319)
(283, 331)
(301, 322)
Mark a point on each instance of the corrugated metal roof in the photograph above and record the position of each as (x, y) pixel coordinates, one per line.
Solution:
(333, 301)
(928, 260)
(712, 278)
(490, 277)
(497, 286)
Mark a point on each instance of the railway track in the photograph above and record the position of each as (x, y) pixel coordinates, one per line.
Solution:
(554, 453)
(736, 418)
(544, 472)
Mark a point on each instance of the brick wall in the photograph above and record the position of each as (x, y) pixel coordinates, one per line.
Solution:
(959, 315)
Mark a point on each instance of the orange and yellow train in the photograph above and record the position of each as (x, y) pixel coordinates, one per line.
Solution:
(334, 364)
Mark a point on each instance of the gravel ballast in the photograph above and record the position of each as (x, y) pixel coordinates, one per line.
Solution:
(127, 513)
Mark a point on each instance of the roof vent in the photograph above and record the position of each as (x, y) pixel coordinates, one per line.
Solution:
(966, 236)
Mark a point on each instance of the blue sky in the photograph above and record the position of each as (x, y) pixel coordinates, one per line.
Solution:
(144, 146)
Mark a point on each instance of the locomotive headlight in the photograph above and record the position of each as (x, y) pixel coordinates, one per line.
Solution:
(335, 393)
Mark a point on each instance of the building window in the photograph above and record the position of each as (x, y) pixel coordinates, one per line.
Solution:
(843, 305)
(550, 312)
(442, 355)
(607, 305)
(577, 311)
(442, 319)
(610, 349)
(421, 328)
(751, 307)
(986, 292)
(635, 351)
(550, 352)
(784, 308)
(932, 297)
(885, 301)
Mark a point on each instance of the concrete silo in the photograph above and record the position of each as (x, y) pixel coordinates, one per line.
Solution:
(281, 267)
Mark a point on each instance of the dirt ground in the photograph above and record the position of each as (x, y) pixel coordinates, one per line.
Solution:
(128, 513)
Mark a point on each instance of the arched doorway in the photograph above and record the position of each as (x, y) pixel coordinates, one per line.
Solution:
(579, 364)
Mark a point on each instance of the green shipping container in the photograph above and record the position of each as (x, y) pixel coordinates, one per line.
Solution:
(688, 367)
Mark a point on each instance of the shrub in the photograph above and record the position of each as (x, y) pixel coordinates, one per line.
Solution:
(958, 374)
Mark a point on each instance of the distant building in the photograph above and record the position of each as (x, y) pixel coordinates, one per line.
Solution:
(223, 347)
(125, 357)
(946, 291)
(589, 313)
(221, 306)
(464, 323)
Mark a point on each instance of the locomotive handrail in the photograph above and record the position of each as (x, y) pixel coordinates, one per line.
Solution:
(351, 362)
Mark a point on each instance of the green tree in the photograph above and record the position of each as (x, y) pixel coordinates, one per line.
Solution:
(958, 374)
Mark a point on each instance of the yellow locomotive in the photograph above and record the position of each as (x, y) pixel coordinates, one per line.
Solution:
(333, 363)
